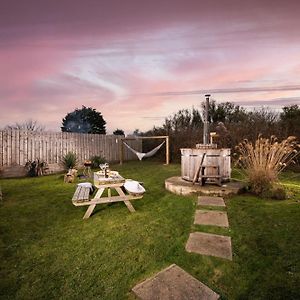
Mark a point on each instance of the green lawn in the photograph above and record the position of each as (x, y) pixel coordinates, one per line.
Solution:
(49, 252)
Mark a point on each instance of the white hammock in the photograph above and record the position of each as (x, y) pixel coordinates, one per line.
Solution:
(141, 155)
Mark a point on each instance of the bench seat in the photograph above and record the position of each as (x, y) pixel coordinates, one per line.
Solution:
(81, 195)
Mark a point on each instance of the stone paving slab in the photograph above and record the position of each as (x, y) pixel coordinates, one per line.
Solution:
(209, 244)
(211, 201)
(211, 217)
(173, 283)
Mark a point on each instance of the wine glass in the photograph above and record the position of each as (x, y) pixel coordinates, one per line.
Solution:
(104, 168)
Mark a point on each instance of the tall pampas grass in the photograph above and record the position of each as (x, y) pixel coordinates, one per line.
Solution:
(264, 160)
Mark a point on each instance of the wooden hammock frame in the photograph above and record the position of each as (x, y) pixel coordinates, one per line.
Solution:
(162, 137)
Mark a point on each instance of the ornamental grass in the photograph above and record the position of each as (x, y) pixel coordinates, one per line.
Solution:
(263, 161)
(69, 161)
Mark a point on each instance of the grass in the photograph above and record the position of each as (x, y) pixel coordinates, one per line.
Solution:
(48, 251)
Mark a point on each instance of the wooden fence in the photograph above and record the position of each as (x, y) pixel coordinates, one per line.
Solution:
(19, 146)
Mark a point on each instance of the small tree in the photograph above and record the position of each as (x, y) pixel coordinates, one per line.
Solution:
(84, 120)
(225, 112)
(30, 125)
(136, 132)
(119, 132)
(290, 120)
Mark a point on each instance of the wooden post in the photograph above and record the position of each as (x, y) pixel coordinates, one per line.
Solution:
(121, 151)
(167, 150)
(206, 121)
(196, 176)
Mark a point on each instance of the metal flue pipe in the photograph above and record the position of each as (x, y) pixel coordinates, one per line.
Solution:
(206, 121)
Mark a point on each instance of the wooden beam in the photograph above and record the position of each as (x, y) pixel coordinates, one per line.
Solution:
(145, 137)
(167, 150)
(108, 200)
(121, 151)
(196, 176)
(89, 211)
(152, 137)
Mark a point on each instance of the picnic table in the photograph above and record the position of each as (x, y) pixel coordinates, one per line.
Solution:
(103, 184)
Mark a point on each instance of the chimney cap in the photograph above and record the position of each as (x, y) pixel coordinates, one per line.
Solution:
(207, 95)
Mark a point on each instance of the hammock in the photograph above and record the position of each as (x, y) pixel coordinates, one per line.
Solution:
(141, 155)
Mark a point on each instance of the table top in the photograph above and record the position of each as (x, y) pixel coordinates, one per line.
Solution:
(114, 178)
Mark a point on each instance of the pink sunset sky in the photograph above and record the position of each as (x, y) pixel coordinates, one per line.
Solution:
(139, 61)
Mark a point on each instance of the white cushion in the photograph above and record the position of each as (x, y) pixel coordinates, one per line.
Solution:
(86, 184)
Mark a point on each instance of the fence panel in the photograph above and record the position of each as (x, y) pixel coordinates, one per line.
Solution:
(19, 146)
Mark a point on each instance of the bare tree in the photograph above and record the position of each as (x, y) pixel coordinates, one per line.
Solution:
(30, 125)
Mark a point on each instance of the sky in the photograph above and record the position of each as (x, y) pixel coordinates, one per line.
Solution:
(139, 61)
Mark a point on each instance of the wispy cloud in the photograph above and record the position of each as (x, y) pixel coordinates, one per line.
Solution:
(226, 91)
(272, 102)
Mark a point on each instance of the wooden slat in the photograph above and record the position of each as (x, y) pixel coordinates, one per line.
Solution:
(76, 194)
(8, 147)
(81, 148)
(99, 137)
(1, 148)
(18, 146)
(102, 146)
(25, 155)
(50, 149)
(13, 147)
(21, 148)
(4, 148)
(81, 193)
(36, 146)
(30, 147)
(196, 176)
(108, 200)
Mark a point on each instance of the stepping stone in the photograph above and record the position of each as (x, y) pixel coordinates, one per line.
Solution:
(173, 283)
(209, 244)
(211, 217)
(211, 201)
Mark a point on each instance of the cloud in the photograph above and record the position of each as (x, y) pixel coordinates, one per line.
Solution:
(138, 61)
(278, 102)
(227, 91)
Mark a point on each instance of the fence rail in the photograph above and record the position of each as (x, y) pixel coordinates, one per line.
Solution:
(19, 146)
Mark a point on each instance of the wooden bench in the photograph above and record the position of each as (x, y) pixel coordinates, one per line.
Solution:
(81, 195)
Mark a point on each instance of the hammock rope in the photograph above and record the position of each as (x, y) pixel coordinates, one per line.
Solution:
(141, 155)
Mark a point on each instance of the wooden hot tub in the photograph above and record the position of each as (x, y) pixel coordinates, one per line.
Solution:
(191, 159)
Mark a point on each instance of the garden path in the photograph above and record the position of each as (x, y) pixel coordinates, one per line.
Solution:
(206, 243)
(173, 283)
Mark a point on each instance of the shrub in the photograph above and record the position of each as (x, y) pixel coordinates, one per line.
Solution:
(260, 182)
(69, 161)
(97, 160)
(264, 160)
(279, 193)
(36, 168)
